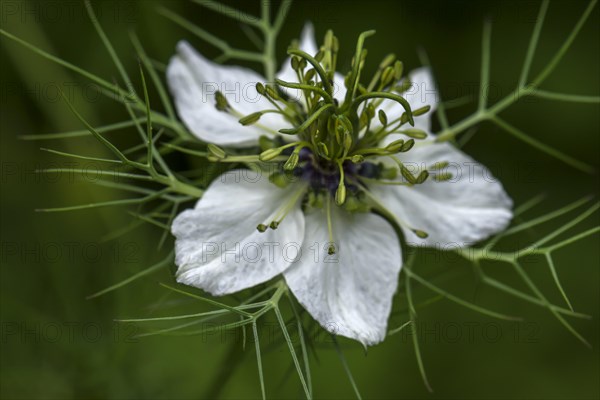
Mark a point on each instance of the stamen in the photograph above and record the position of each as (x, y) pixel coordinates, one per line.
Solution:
(261, 228)
(331, 248)
(420, 233)
(287, 207)
(253, 118)
(222, 103)
(414, 133)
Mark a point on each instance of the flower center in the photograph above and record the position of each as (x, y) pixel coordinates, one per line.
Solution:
(337, 145)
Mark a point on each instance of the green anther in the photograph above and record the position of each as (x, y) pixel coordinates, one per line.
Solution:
(407, 146)
(274, 225)
(303, 64)
(398, 70)
(443, 177)
(310, 74)
(383, 118)
(421, 110)
(439, 165)
(272, 93)
(407, 175)
(216, 151)
(388, 60)
(328, 41)
(260, 88)
(346, 123)
(222, 103)
(403, 118)
(415, 133)
(404, 86)
(323, 149)
(261, 228)
(357, 158)
(294, 61)
(319, 56)
(395, 146)
(370, 110)
(387, 76)
(291, 162)
(422, 177)
(250, 119)
(421, 234)
(270, 154)
(331, 250)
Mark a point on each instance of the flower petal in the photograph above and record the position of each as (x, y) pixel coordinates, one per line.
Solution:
(465, 209)
(348, 293)
(194, 80)
(218, 247)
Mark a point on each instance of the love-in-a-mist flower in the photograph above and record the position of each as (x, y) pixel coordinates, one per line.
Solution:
(343, 166)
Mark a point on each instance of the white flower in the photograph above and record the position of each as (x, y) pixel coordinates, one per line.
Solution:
(219, 248)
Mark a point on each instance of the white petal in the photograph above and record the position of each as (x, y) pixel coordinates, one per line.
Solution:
(348, 293)
(218, 247)
(470, 207)
(194, 80)
(421, 93)
(339, 89)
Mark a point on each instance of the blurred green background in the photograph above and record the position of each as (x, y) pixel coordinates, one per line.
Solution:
(56, 344)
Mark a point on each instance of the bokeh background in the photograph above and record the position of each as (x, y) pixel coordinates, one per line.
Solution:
(55, 344)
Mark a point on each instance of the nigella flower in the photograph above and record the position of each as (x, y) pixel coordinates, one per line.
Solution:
(353, 167)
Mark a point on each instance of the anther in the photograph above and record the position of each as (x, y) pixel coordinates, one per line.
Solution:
(261, 228)
(221, 102)
(216, 151)
(421, 234)
(414, 133)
